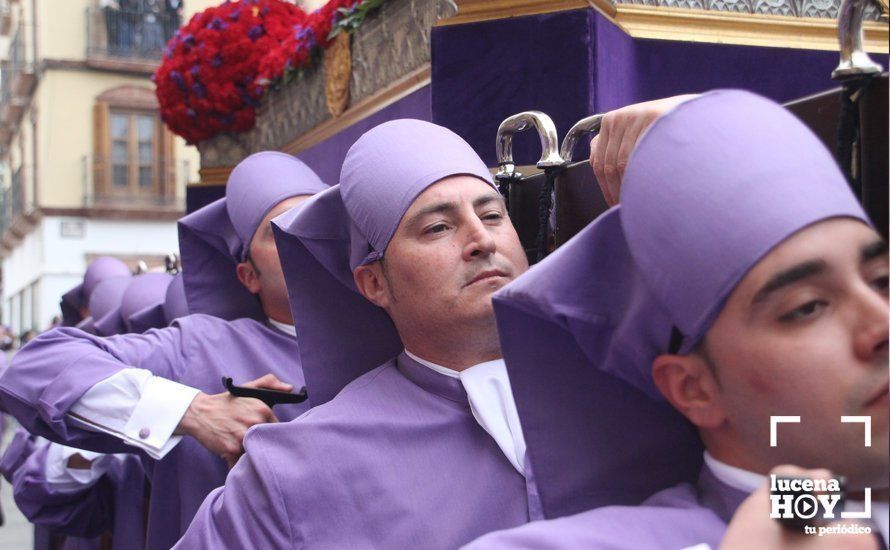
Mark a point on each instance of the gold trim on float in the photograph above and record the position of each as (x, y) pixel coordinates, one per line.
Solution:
(381, 99)
(689, 25)
(807, 33)
(212, 176)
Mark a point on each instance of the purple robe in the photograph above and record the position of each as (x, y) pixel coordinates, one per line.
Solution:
(50, 374)
(17, 452)
(396, 460)
(679, 517)
(112, 505)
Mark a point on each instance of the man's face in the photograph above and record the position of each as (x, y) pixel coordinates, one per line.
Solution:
(262, 274)
(805, 334)
(454, 247)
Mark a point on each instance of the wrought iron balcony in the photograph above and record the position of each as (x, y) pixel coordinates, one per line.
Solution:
(22, 70)
(15, 205)
(128, 36)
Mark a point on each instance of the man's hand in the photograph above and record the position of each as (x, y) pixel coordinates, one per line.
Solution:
(78, 462)
(220, 421)
(751, 526)
(618, 135)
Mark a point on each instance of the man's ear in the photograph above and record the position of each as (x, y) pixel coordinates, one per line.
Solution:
(372, 284)
(247, 275)
(689, 384)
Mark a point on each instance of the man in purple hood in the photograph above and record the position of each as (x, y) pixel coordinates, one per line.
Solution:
(146, 391)
(75, 302)
(738, 281)
(413, 439)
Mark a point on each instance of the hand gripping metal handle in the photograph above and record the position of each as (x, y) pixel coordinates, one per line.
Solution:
(854, 61)
(589, 125)
(517, 123)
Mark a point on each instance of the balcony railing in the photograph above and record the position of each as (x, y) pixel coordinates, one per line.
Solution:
(129, 35)
(14, 201)
(166, 191)
(5, 209)
(17, 194)
(5, 84)
(11, 107)
(22, 74)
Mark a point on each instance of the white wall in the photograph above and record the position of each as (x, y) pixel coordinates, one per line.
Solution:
(57, 263)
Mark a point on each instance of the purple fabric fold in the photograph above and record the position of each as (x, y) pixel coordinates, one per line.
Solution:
(315, 252)
(684, 516)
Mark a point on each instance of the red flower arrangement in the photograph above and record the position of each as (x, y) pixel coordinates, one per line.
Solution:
(218, 66)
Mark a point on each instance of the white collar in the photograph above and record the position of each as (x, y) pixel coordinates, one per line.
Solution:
(740, 479)
(749, 482)
(491, 402)
(438, 368)
(283, 327)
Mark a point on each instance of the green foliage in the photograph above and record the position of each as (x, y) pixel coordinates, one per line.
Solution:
(353, 17)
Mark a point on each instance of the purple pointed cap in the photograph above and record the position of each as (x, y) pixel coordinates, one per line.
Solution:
(175, 305)
(214, 239)
(105, 305)
(341, 334)
(774, 183)
(143, 301)
(99, 269)
(390, 165)
(711, 188)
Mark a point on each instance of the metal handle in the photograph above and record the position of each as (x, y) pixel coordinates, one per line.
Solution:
(171, 263)
(854, 61)
(589, 125)
(517, 123)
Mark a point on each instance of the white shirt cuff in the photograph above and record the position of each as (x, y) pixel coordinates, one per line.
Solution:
(156, 416)
(69, 480)
(140, 409)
